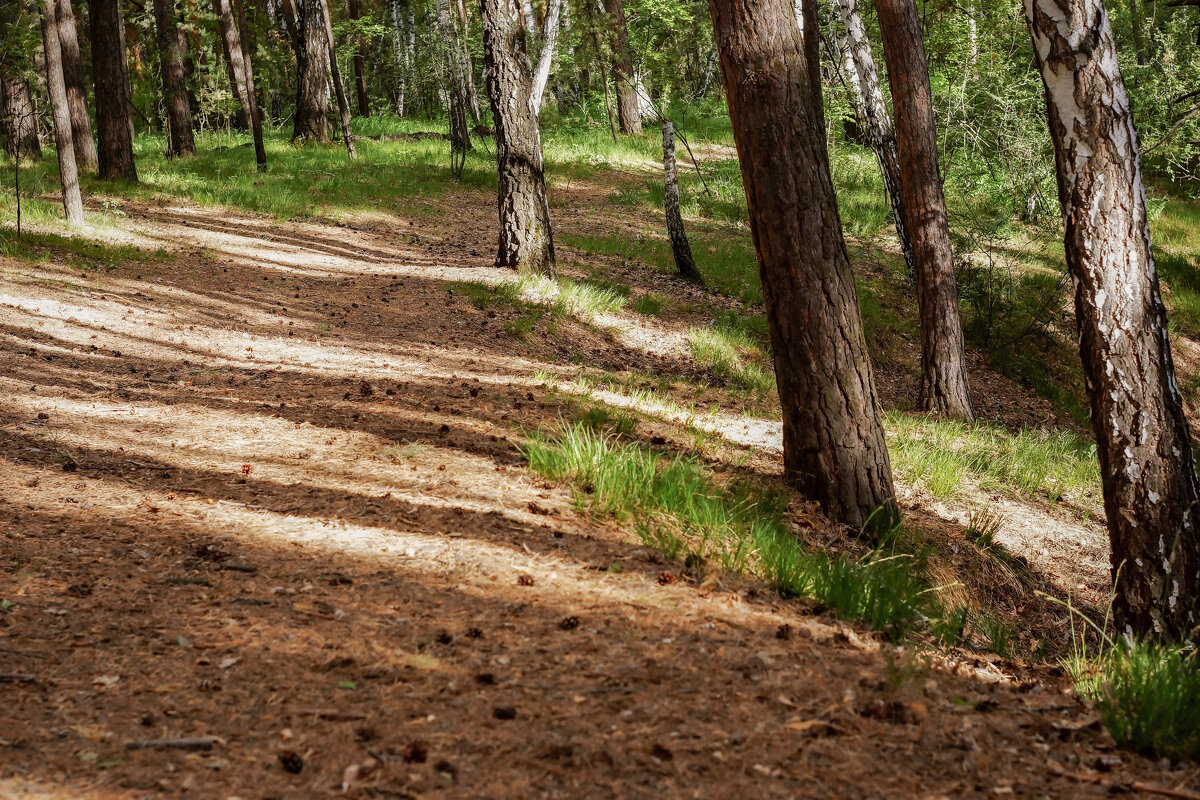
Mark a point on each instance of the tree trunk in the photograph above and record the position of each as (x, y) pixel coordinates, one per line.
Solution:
(335, 75)
(18, 119)
(706, 77)
(260, 151)
(460, 132)
(312, 91)
(541, 74)
(67, 172)
(529, 18)
(526, 240)
(680, 249)
(72, 66)
(863, 78)
(171, 47)
(111, 90)
(1151, 494)
(235, 60)
(601, 59)
(833, 443)
(943, 354)
(360, 68)
(628, 112)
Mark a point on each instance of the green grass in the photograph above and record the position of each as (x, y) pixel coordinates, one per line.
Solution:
(944, 456)
(733, 356)
(1148, 697)
(78, 252)
(676, 506)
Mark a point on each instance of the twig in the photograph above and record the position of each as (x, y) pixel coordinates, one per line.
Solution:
(198, 743)
(1141, 786)
(9, 677)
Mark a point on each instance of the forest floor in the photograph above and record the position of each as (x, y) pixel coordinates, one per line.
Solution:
(266, 532)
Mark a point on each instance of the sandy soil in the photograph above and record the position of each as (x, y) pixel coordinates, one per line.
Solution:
(262, 495)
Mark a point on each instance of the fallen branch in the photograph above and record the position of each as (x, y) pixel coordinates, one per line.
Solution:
(197, 743)
(1084, 776)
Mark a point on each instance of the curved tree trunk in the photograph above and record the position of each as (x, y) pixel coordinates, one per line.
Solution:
(72, 66)
(72, 202)
(526, 240)
(260, 150)
(360, 69)
(680, 249)
(1151, 494)
(943, 388)
(833, 443)
(312, 56)
(335, 75)
(235, 59)
(113, 107)
(541, 73)
(171, 49)
(628, 112)
(18, 119)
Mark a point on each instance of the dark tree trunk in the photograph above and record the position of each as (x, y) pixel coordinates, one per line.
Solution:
(235, 60)
(67, 172)
(1151, 494)
(680, 249)
(72, 67)
(18, 119)
(360, 69)
(311, 123)
(335, 75)
(171, 49)
(833, 443)
(260, 151)
(111, 90)
(943, 354)
(622, 66)
(871, 111)
(526, 241)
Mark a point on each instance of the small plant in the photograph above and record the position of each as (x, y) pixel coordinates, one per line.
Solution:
(649, 304)
(523, 326)
(983, 526)
(403, 453)
(998, 634)
(731, 355)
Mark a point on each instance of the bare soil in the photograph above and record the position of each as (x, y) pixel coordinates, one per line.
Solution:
(265, 533)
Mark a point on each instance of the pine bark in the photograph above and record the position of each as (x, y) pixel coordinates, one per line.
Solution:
(72, 67)
(260, 150)
(312, 55)
(18, 118)
(526, 240)
(235, 60)
(1151, 494)
(360, 69)
(680, 248)
(67, 171)
(335, 76)
(628, 112)
(171, 49)
(834, 447)
(944, 389)
(114, 125)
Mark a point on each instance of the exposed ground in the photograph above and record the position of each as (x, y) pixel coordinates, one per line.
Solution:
(260, 489)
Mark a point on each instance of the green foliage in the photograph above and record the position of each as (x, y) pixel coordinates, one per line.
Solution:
(732, 356)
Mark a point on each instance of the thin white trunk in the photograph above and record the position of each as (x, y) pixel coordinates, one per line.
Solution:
(541, 73)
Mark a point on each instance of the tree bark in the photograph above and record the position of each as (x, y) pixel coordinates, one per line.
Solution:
(1151, 494)
(18, 119)
(260, 150)
(944, 388)
(833, 443)
(460, 132)
(311, 122)
(872, 112)
(67, 172)
(72, 66)
(360, 68)
(628, 112)
(111, 78)
(235, 59)
(541, 73)
(526, 240)
(335, 75)
(171, 48)
(680, 249)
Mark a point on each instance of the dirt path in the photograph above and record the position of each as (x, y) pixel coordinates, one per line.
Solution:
(262, 493)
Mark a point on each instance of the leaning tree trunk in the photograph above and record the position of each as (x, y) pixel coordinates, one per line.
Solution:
(171, 49)
(943, 387)
(526, 241)
(235, 60)
(335, 75)
(680, 249)
(541, 73)
(260, 150)
(18, 119)
(628, 112)
(67, 172)
(111, 78)
(72, 66)
(1151, 494)
(360, 67)
(312, 56)
(833, 444)
(873, 115)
